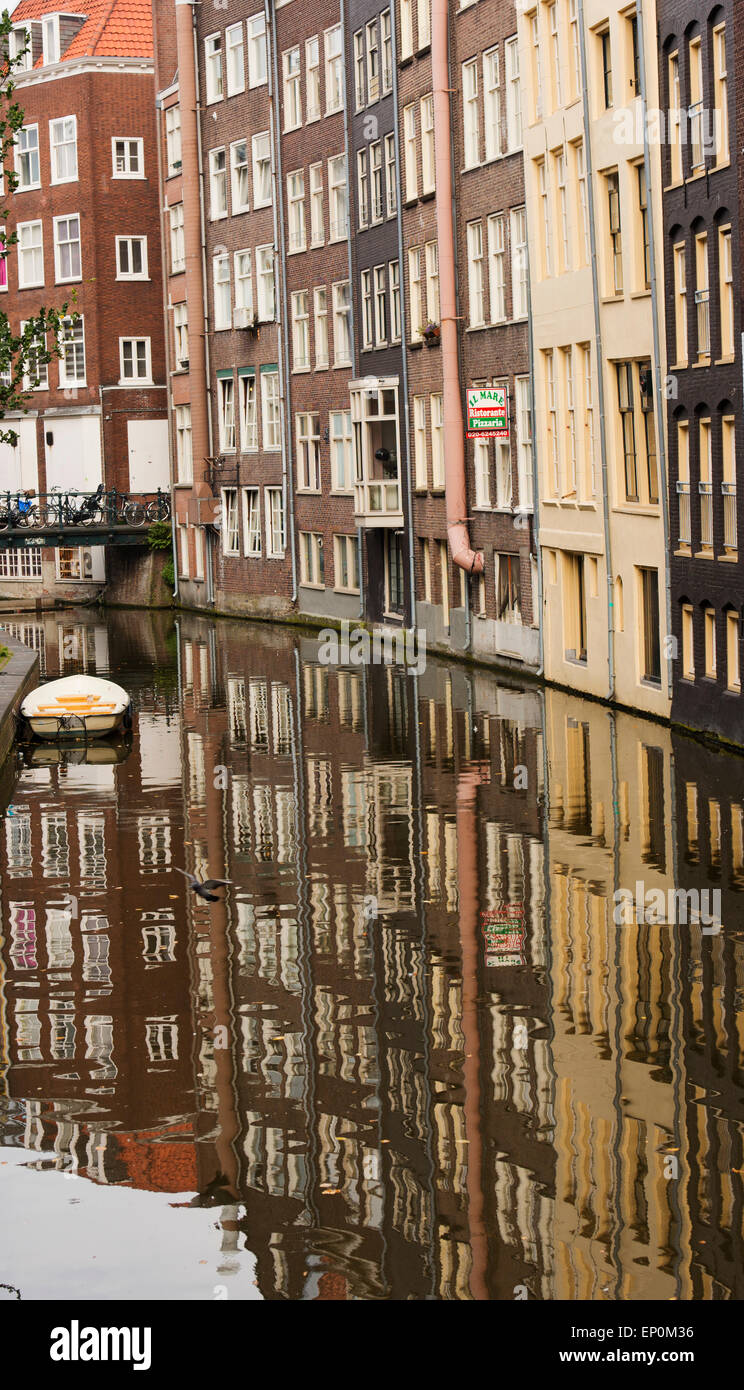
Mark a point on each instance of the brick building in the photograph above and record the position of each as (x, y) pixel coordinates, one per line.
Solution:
(85, 211)
(703, 330)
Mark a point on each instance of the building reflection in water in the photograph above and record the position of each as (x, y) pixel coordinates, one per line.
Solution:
(385, 1087)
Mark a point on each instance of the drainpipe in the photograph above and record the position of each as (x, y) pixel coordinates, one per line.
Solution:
(406, 432)
(280, 291)
(659, 407)
(192, 233)
(535, 482)
(208, 569)
(454, 425)
(166, 322)
(588, 169)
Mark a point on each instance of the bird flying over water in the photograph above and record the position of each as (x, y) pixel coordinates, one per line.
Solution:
(203, 890)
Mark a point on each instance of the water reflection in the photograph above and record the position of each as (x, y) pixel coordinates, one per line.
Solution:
(385, 1084)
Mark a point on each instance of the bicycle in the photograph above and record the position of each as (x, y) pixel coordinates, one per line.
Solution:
(66, 512)
(18, 511)
(131, 513)
(159, 509)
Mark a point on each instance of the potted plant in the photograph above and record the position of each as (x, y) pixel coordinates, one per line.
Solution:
(431, 334)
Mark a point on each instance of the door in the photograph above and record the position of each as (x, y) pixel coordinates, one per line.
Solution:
(72, 446)
(149, 467)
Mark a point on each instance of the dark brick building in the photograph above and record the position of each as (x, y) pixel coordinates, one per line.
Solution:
(85, 211)
(703, 322)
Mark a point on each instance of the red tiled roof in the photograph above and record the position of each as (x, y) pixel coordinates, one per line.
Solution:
(113, 29)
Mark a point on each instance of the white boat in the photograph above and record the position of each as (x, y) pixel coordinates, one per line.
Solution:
(77, 707)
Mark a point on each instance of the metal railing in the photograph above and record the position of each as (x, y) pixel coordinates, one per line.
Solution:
(706, 514)
(61, 509)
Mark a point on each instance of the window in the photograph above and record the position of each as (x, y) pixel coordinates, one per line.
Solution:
(432, 281)
(574, 607)
(337, 196)
(50, 39)
(476, 296)
(410, 152)
(311, 559)
(342, 324)
(217, 184)
(317, 228)
(239, 176)
(733, 669)
(341, 457)
(373, 61)
(230, 524)
(643, 216)
(414, 289)
(680, 304)
(573, 21)
(513, 96)
(589, 483)
(292, 93)
(251, 522)
(213, 67)
(524, 442)
(265, 286)
(300, 332)
(627, 428)
(134, 358)
(72, 361)
(705, 485)
(406, 28)
(387, 51)
(605, 51)
(688, 644)
(222, 292)
(651, 664)
(312, 79)
(334, 72)
(380, 288)
(726, 282)
(555, 56)
(367, 313)
(270, 411)
(173, 139)
(248, 410)
(226, 413)
(537, 82)
(30, 255)
(696, 112)
(421, 477)
(470, 113)
(551, 405)
(360, 71)
(275, 537)
(503, 474)
(320, 317)
(547, 227)
(394, 286)
(20, 47)
(243, 282)
(184, 456)
(645, 379)
(177, 243)
(257, 70)
(362, 188)
(428, 170)
(683, 483)
(564, 255)
(261, 147)
(482, 464)
(436, 405)
(37, 377)
(491, 104)
(580, 172)
(728, 484)
(675, 118)
(391, 176)
(569, 401)
(27, 158)
(128, 158)
(63, 146)
(346, 563)
(520, 280)
(424, 23)
(702, 296)
(296, 210)
(709, 629)
(616, 243)
(508, 589)
(720, 88)
(131, 258)
(375, 154)
(234, 59)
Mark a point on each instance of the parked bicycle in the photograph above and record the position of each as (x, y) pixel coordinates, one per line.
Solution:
(159, 509)
(19, 511)
(68, 510)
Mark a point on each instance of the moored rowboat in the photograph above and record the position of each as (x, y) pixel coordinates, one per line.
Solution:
(75, 707)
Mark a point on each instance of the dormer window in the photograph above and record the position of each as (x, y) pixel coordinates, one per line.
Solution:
(20, 44)
(50, 38)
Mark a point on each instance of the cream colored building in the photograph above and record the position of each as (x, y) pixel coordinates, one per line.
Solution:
(594, 226)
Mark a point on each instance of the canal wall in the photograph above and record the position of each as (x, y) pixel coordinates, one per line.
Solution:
(135, 578)
(19, 675)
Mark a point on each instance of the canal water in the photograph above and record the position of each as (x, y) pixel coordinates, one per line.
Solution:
(467, 1022)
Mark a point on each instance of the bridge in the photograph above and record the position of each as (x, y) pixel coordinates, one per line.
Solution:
(35, 520)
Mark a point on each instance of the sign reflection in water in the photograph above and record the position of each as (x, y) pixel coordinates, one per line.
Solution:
(377, 1104)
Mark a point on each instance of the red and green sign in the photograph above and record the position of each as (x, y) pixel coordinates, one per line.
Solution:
(488, 413)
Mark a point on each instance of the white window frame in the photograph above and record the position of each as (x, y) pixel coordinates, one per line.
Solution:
(236, 206)
(221, 292)
(78, 329)
(127, 172)
(27, 154)
(129, 242)
(177, 238)
(214, 85)
(276, 538)
(56, 146)
(264, 264)
(217, 184)
(252, 537)
(258, 75)
(23, 282)
(257, 165)
(271, 440)
(137, 380)
(338, 199)
(334, 70)
(234, 71)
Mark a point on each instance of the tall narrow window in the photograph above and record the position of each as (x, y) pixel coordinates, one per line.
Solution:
(646, 383)
(645, 247)
(312, 79)
(702, 296)
(683, 481)
(476, 295)
(320, 317)
(552, 419)
(519, 268)
(627, 429)
(317, 228)
(720, 83)
(428, 174)
(616, 240)
(491, 104)
(497, 268)
(696, 111)
(674, 121)
(728, 485)
(705, 485)
(547, 227)
(680, 304)
(470, 113)
(606, 64)
(726, 279)
(513, 95)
